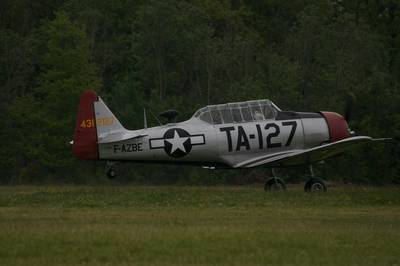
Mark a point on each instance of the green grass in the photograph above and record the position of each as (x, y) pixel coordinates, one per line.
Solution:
(198, 226)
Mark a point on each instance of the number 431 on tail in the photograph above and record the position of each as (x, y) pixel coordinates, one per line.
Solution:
(233, 135)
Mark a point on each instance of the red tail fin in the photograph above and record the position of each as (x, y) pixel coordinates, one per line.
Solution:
(85, 135)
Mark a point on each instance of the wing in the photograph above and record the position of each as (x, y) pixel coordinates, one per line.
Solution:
(307, 156)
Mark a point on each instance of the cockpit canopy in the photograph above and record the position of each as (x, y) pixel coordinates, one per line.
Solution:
(239, 112)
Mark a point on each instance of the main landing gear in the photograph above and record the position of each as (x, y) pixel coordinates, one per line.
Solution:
(274, 183)
(313, 184)
(111, 174)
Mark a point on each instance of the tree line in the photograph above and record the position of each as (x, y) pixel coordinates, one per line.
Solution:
(162, 54)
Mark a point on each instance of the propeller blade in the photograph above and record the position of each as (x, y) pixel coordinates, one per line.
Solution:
(350, 101)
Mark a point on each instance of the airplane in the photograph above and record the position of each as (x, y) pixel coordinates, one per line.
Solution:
(224, 136)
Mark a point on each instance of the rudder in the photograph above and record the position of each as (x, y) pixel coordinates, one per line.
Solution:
(85, 135)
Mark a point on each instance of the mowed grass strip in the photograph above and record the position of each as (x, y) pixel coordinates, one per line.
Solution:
(198, 226)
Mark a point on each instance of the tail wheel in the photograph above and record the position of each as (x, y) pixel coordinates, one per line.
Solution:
(315, 185)
(111, 173)
(274, 184)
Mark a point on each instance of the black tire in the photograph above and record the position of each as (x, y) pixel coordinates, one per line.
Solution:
(315, 185)
(274, 184)
(111, 173)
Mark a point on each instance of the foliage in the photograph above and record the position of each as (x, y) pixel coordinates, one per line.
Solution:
(43, 120)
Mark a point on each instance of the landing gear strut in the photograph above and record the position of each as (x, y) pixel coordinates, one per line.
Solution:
(274, 183)
(110, 171)
(314, 184)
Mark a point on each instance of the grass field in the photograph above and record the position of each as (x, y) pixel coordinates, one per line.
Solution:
(198, 226)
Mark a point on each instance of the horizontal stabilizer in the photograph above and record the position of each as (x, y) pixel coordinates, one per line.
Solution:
(118, 136)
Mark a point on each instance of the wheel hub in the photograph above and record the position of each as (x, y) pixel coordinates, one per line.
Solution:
(317, 187)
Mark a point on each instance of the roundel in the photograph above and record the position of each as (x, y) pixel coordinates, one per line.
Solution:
(177, 142)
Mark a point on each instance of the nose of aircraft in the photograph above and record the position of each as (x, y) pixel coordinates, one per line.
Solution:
(338, 127)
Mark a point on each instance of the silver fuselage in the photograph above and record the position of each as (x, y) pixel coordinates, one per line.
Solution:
(196, 141)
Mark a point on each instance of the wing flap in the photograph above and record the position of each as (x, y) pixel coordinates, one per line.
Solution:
(298, 157)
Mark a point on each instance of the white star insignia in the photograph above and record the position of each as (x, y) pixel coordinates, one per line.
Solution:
(177, 142)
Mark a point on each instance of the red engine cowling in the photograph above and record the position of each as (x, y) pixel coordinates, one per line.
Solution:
(338, 127)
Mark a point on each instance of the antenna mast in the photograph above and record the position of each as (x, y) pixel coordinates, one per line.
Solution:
(144, 117)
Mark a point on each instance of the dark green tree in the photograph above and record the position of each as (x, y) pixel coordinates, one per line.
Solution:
(43, 121)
